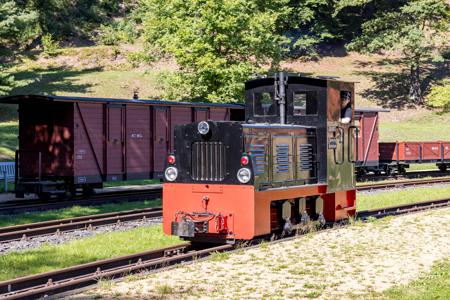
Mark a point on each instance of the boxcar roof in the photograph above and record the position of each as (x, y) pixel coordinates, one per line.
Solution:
(371, 109)
(23, 98)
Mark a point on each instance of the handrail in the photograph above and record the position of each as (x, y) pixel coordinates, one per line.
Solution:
(342, 138)
(349, 144)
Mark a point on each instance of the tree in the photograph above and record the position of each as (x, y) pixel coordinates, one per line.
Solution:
(217, 44)
(68, 18)
(17, 28)
(439, 96)
(417, 29)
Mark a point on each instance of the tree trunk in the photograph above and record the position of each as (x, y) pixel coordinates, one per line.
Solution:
(415, 91)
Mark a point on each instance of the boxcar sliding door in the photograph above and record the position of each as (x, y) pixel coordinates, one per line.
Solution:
(138, 137)
(160, 139)
(115, 153)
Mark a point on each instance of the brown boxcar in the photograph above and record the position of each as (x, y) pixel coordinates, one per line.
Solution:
(72, 141)
(367, 121)
(401, 154)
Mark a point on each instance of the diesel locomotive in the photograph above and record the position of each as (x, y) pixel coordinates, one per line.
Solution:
(227, 181)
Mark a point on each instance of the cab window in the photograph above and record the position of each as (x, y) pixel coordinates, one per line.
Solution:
(305, 103)
(264, 104)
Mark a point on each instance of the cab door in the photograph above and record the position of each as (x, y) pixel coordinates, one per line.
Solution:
(341, 156)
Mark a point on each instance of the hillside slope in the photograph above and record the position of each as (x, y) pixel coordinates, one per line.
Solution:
(102, 71)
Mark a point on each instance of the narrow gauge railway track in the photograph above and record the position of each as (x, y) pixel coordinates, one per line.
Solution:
(82, 276)
(407, 175)
(26, 231)
(59, 281)
(402, 209)
(401, 184)
(20, 206)
(12, 233)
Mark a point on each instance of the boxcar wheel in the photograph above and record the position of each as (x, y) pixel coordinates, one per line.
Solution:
(443, 168)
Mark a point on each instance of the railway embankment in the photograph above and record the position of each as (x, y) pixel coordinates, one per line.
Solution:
(364, 260)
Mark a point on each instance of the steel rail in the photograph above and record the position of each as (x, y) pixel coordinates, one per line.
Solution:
(21, 206)
(11, 233)
(402, 209)
(69, 279)
(401, 184)
(76, 277)
(409, 174)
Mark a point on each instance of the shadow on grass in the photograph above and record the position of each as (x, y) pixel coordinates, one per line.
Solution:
(391, 89)
(51, 81)
(8, 141)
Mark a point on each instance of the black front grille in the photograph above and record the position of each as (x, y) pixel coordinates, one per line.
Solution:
(208, 161)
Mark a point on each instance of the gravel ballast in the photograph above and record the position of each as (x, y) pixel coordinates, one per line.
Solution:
(63, 237)
(334, 264)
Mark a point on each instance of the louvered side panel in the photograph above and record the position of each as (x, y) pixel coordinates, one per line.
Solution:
(282, 150)
(306, 157)
(258, 155)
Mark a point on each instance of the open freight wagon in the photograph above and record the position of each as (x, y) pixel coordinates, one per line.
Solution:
(70, 144)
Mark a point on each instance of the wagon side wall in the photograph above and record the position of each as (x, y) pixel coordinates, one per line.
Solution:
(89, 142)
(45, 140)
(368, 152)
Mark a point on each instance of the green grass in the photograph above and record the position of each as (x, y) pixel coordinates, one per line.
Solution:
(131, 182)
(435, 285)
(385, 199)
(2, 186)
(427, 128)
(420, 167)
(101, 246)
(8, 140)
(364, 183)
(92, 82)
(75, 211)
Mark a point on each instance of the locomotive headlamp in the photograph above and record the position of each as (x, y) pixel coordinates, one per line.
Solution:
(244, 175)
(171, 173)
(203, 127)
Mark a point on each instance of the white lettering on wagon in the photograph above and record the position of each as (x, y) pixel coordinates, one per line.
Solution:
(80, 154)
(137, 135)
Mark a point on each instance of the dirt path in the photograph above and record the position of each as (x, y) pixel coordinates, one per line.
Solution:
(327, 265)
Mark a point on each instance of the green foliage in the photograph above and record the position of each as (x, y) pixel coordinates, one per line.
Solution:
(6, 82)
(122, 31)
(68, 18)
(17, 25)
(138, 57)
(51, 47)
(218, 44)
(17, 28)
(440, 97)
(417, 28)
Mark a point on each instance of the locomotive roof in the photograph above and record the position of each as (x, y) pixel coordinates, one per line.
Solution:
(359, 109)
(321, 81)
(271, 125)
(23, 98)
